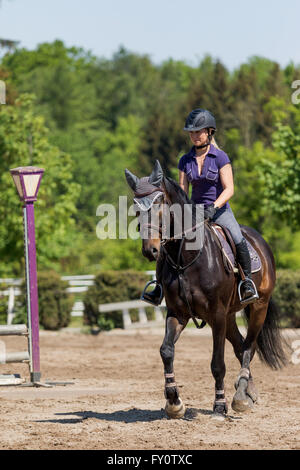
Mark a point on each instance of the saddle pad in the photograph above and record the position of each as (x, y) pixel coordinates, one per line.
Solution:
(255, 259)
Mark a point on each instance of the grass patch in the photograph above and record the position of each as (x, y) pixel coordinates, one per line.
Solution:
(76, 322)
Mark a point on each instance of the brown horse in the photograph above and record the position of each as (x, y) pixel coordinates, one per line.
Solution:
(197, 285)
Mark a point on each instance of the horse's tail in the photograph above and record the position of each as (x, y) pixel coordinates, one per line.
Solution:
(270, 343)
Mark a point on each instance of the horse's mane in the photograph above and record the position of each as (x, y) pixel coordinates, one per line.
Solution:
(180, 196)
(180, 193)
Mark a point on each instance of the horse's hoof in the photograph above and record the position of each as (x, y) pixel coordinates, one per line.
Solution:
(175, 411)
(241, 406)
(252, 392)
(250, 401)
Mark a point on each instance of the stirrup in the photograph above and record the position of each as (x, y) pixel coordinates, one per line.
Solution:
(144, 291)
(249, 299)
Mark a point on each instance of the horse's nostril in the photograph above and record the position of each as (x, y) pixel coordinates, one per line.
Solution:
(154, 253)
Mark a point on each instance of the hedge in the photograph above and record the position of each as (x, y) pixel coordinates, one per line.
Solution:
(112, 286)
(55, 304)
(287, 297)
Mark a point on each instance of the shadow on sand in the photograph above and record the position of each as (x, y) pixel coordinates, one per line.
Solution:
(132, 415)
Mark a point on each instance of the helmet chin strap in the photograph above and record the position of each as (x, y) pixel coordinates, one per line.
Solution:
(205, 145)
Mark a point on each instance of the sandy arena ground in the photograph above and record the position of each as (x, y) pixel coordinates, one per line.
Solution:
(117, 401)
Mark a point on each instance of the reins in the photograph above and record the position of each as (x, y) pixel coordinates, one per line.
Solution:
(180, 272)
(176, 237)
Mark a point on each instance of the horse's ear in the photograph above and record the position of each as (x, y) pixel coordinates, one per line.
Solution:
(132, 180)
(157, 174)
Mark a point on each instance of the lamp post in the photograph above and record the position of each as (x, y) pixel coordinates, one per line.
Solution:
(27, 181)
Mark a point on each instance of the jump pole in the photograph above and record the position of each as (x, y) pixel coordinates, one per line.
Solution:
(27, 181)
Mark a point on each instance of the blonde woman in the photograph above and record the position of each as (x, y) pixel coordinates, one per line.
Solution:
(208, 169)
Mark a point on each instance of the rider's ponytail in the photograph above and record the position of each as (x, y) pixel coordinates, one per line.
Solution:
(213, 141)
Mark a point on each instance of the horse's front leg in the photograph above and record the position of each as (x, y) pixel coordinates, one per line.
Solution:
(218, 368)
(174, 406)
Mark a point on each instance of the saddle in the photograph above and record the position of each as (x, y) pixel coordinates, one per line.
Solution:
(228, 249)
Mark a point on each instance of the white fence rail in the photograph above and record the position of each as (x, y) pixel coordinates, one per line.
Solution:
(77, 285)
(125, 307)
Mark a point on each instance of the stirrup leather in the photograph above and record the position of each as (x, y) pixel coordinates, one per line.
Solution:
(144, 291)
(249, 299)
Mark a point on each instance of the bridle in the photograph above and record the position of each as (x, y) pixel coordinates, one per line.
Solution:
(179, 268)
(161, 229)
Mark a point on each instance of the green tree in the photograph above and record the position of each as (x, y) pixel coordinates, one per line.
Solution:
(58, 76)
(125, 111)
(23, 142)
(282, 182)
(10, 90)
(244, 107)
(251, 208)
(117, 150)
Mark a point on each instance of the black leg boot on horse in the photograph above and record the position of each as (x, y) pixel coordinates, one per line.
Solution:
(247, 289)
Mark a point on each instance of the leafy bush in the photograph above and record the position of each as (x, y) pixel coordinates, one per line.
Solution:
(111, 286)
(55, 304)
(287, 297)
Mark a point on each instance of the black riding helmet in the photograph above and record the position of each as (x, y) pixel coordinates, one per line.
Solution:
(199, 119)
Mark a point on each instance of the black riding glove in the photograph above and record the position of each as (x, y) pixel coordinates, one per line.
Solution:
(210, 212)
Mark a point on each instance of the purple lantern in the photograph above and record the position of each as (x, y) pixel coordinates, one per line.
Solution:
(27, 180)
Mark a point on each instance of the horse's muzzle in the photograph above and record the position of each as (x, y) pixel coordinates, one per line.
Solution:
(150, 253)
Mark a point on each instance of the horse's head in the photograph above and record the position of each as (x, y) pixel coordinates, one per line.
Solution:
(148, 197)
(163, 208)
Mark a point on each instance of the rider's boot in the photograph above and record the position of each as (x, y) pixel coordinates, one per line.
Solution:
(248, 290)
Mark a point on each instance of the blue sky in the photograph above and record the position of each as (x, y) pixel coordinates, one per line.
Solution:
(231, 30)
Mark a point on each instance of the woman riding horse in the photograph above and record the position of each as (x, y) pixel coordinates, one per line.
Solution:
(198, 284)
(209, 171)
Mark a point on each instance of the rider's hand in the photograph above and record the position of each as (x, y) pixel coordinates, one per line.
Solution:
(210, 212)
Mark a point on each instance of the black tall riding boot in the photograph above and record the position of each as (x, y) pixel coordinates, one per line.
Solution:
(248, 291)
